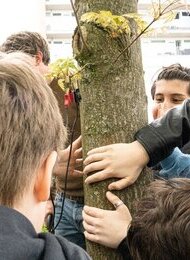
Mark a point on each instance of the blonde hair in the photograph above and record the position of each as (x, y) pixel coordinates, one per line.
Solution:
(31, 125)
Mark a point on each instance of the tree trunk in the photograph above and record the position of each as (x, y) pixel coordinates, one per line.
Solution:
(113, 105)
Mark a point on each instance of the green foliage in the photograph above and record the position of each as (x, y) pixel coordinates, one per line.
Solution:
(119, 24)
(44, 229)
(66, 72)
(114, 24)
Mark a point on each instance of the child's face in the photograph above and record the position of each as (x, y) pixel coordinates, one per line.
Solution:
(169, 94)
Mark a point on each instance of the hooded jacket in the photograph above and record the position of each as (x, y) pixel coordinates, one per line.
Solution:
(19, 241)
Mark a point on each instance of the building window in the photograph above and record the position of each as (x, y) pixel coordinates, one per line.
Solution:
(177, 16)
(178, 43)
(185, 14)
(56, 14)
(158, 41)
(57, 42)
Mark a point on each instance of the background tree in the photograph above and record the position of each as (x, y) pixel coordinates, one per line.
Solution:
(113, 105)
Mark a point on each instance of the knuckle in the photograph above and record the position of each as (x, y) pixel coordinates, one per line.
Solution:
(95, 223)
(110, 171)
(130, 182)
(87, 168)
(92, 158)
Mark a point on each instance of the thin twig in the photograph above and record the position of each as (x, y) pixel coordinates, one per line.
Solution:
(146, 28)
(153, 7)
(136, 38)
(78, 24)
(81, 69)
(173, 3)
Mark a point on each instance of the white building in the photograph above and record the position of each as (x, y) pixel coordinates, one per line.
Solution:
(60, 25)
(55, 20)
(173, 39)
(166, 46)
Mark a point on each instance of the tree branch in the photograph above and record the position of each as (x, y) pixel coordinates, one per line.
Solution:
(161, 13)
(78, 24)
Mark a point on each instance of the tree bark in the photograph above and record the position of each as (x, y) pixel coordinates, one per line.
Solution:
(114, 103)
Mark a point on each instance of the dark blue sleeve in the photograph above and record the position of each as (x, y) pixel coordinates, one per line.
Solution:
(177, 165)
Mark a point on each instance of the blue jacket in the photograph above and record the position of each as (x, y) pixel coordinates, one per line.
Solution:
(177, 165)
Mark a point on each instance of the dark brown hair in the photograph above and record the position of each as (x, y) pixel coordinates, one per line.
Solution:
(28, 42)
(31, 125)
(172, 72)
(160, 229)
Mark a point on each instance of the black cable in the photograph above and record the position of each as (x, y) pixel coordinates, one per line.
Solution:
(52, 216)
(67, 169)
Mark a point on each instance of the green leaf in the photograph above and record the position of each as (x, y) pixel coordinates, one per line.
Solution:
(66, 72)
(114, 24)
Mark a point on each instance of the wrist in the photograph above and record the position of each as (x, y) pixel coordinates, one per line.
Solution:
(142, 155)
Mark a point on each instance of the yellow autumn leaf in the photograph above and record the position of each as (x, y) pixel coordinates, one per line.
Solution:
(114, 24)
(67, 73)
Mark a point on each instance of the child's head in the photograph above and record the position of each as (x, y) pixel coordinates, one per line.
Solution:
(31, 126)
(160, 229)
(170, 89)
(31, 43)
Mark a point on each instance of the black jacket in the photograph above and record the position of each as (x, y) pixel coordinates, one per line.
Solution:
(159, 139)
(19, 241)
(161, 136)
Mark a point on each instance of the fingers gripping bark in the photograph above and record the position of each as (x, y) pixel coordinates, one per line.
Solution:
(100, 225)
(122, 161)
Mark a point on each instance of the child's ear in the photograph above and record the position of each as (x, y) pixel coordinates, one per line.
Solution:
(43, 178)
(39, 57)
